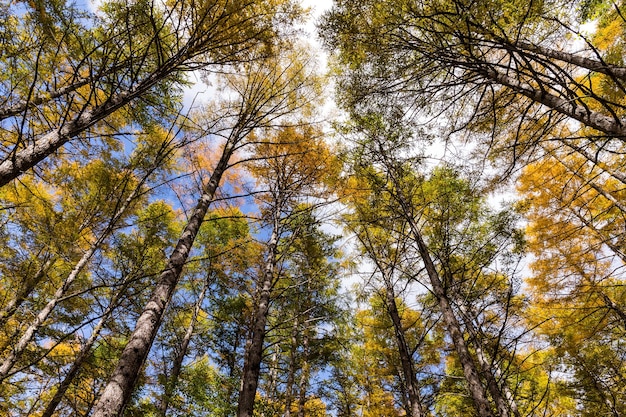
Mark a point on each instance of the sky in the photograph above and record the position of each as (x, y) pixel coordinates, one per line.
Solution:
(200, 92)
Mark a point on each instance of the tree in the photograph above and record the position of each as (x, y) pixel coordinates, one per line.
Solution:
(383, 242)
(291, 166)
(97, 179)
(509, 73)
(225, 242)
(473, 251)
(137, 258)
(59, 91)
(270, 90)
(386, 173)
(434, 46)
(64, 223)
(574, 234)
(305, 310)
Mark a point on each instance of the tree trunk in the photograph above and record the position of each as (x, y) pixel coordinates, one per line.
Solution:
(122, 381)
(501, 394)
(254, 351)
(612, 126)
(580, 61)
(412, 385)
(24, 159)
(272, 376)
(475, 386)
(17, 351)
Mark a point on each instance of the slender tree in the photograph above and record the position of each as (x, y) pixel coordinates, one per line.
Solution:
(397, 181)
(269, 90)
(384, 252)
(292, 166)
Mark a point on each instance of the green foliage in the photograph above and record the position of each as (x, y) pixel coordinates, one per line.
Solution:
(86, 229)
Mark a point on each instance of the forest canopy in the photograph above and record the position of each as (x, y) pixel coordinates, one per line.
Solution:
(449, 240)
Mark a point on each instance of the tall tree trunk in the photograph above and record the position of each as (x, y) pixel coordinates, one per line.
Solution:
(254, 351)
(612, 126)
(408, 371)
(475, 386)
(18, 349)
(24, 159)
(272, 376)
(172, 381)
(122, 381)
(580, 61)
(501, 394)
(291, 375)
(43, 315)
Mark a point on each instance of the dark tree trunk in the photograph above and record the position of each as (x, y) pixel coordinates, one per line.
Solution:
(475, 386)
(254, 351)
(408, 371)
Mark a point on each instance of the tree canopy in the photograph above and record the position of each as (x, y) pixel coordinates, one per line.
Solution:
(450, 240)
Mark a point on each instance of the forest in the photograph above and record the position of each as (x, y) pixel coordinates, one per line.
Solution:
(384, 208)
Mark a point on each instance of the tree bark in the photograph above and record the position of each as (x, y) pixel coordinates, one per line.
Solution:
(612, 126)
(408, 371)
(17, 351)
(501, 394)
(305, 373)
(254, 351)
(580, 61)
(22, 160)
(476, 388)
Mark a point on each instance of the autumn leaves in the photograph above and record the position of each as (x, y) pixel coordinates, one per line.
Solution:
(161, 263)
